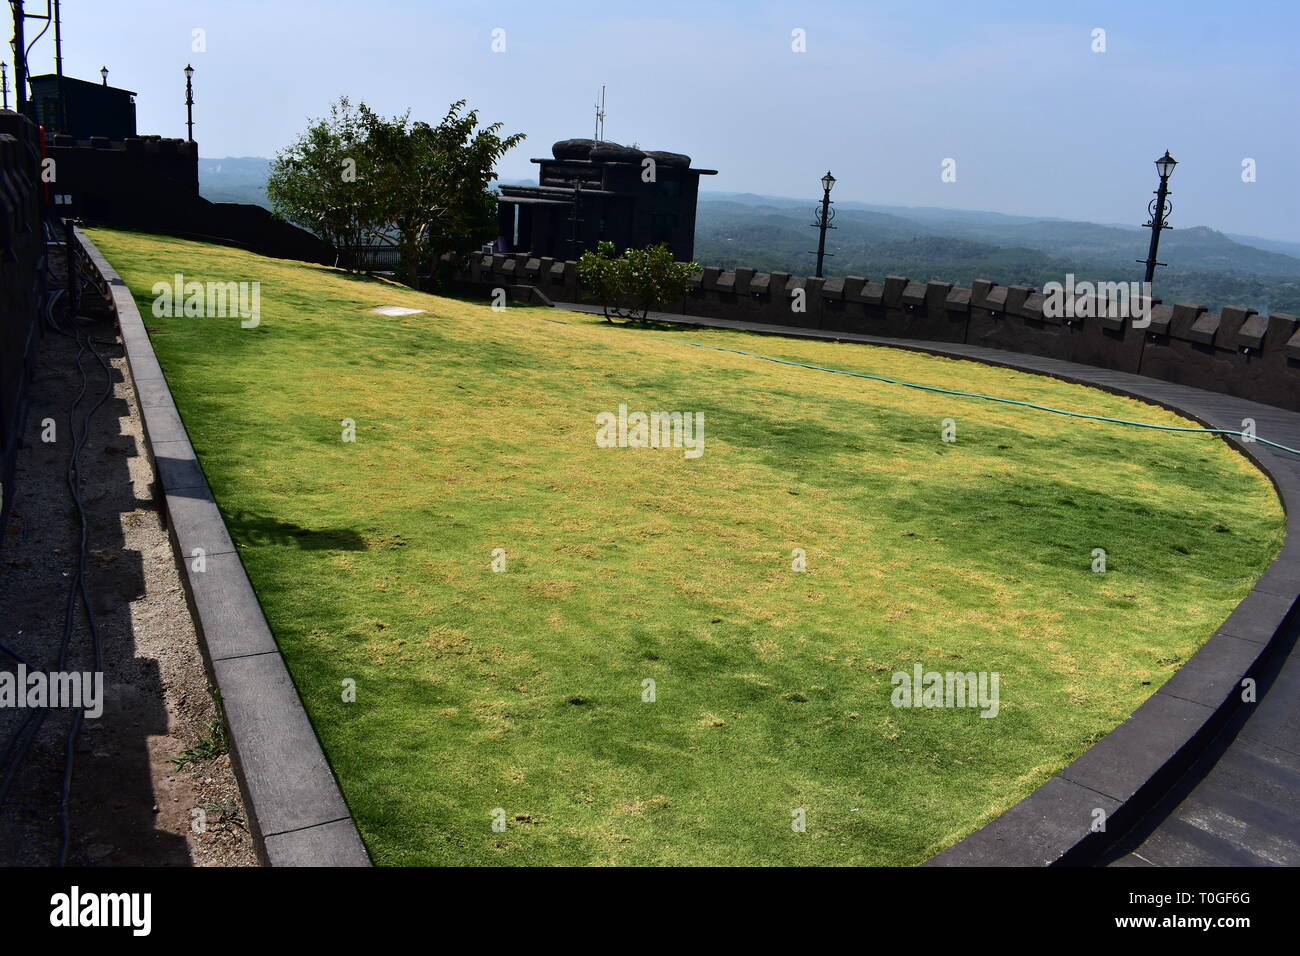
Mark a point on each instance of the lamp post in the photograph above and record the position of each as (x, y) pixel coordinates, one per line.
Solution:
(4, 83)
(20, 58)
(189, 101)
(1159, 208)
(103, 72)
(824, 214)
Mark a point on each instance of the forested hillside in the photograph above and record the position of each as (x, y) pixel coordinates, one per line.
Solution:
(772, 234)
(1205, 266)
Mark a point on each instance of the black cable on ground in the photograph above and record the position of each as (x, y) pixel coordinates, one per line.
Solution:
(20, 744)
(18, 657)
(74, 478)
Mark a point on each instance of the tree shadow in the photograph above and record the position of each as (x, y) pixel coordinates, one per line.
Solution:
(249, 529)
(652, 325)
(364, 278)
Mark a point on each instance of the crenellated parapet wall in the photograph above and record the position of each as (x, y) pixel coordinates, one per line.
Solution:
(105, 180)
(22, 283)
(164, 148)
(152, 183)
(1236, 351)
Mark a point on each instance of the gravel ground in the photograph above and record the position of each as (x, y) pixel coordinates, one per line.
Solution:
(130, 804)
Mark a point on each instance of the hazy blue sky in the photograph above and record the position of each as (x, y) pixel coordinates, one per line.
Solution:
(1037, 122)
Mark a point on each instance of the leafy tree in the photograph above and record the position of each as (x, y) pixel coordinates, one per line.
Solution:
(433, 195)
(356, 177)
(323, 182)
(629, 286)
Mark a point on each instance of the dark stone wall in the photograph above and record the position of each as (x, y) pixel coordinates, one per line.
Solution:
(1237, 352)
(22, 256)
(152, 184)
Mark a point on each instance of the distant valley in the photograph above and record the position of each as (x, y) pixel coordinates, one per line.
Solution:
(1207, 267)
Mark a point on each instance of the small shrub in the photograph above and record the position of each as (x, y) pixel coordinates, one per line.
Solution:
(629, 286)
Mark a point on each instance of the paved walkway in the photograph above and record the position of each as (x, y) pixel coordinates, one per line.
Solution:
(1239, 804)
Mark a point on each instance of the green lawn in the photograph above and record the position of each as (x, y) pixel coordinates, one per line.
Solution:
(522, 690)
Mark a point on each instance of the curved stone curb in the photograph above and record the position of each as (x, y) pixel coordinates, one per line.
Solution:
(1126, 772)
(297, 813)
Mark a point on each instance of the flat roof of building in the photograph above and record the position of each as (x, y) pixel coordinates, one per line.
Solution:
(614, 162)
(73, 79)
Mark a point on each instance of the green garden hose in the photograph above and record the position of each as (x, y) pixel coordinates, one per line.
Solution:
(989, 398)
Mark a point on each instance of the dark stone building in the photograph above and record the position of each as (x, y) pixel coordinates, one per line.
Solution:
(102, 172)
(592, 191)
(63, 104)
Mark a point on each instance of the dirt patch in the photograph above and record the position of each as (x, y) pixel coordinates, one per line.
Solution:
(130, 803)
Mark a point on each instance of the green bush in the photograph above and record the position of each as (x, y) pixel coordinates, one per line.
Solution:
(631, 285)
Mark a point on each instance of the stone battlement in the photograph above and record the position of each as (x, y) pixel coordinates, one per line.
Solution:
(136, 145)
(22, 284)
(1236, 351)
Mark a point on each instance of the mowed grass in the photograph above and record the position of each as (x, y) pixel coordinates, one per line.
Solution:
(522, 691)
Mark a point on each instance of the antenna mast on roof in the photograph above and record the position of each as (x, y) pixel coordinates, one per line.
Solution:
(600, 116)
(58, 40)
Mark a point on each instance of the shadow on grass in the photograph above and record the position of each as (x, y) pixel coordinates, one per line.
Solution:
(248, 529)
(363, 277)
(652, 325)
(467, 298)
(642, 325)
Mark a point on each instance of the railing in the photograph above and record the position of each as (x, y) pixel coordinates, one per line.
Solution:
(84, 282)
(371, 257)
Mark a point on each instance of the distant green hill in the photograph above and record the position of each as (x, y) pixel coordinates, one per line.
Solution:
(1206, 267)
(234, 179)
(952, 245)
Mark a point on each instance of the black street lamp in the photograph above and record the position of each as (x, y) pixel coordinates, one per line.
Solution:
(1159, 209)
(824, 214)
(103, 72)
(189, 101)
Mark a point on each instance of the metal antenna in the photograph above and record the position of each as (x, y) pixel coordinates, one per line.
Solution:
(4, 83)
(600, 116)
(58, 40)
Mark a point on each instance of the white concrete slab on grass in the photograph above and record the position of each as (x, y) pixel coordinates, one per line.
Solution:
(395, 310)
